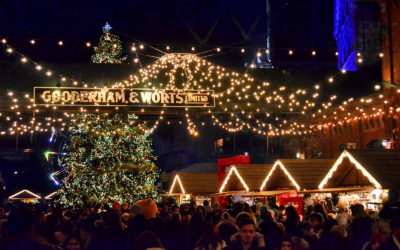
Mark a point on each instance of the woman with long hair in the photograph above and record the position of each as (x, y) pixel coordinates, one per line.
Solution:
(292, 218)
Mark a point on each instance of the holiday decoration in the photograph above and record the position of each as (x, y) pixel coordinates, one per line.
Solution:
(109, 49)
(109, 160)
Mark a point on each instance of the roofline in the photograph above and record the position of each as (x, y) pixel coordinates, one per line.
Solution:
(173, 184)
(25, 190)
(333, 169)
(280, 164)
(48, 196)
(233, 169)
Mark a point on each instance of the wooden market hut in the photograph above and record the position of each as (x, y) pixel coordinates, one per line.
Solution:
(25, 196)
(368, 169)
(51, 196)
(197, 185)
(244, 178)
(295, 175)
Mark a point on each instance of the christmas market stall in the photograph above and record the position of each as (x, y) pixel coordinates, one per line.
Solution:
(51, 196)
(24, 196)
(242, 180)
(361, 176)
(193, 186)
(289, 176)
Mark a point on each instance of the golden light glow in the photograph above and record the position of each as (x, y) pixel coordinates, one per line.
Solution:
(233, 170)
(353, 161)
(25, 190)
(276, 164)
(177, 179)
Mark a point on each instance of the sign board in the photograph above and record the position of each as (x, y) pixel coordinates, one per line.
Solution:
(132, 97)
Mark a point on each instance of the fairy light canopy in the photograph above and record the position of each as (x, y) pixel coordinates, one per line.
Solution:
(242, 102)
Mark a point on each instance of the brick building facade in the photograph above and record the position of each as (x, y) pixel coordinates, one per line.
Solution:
(381, 131)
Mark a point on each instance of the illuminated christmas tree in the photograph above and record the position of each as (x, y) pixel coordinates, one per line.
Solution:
(109, 160)
(109, 49)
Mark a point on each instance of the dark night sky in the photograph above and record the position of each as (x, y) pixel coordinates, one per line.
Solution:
(295, 24)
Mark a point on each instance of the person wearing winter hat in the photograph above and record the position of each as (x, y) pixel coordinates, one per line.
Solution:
(228, 218)
(149, 207)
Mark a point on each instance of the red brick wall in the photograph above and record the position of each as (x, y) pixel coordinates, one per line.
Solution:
(354, 132)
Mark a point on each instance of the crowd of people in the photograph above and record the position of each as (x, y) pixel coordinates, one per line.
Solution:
(169, 226)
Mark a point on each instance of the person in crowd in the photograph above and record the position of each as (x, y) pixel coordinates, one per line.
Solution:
(226, 229)
(176, 235)
(286, 244)
(272, 233)
(209, 239)
(73, 243)
(391, 208)
(135, 210)
(377, 242)
(44, 226)
(247, 238)
(136, 226)
(109, 236)
(316, 222)
(227, 217)
(207, 208)
(361, 225)
(393, 241)
(292, 218)
(305, 231)
(196, 225)
(146, 241)
(343, 217)
(308, 212)
(319, 208)
(125, 207)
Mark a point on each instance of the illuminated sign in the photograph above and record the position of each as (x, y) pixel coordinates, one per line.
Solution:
(134, 97)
